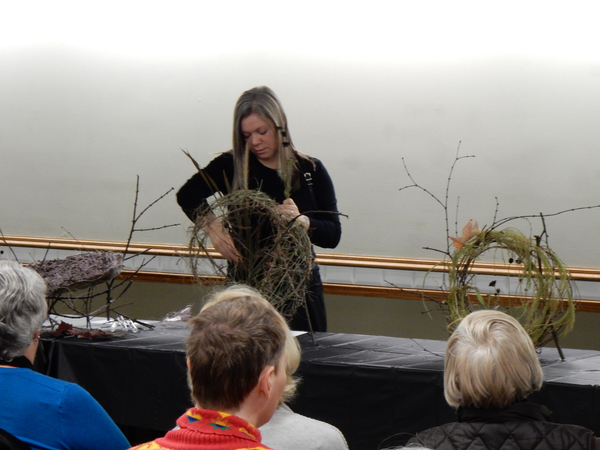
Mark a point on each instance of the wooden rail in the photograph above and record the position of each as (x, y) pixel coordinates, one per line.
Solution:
(332, 259)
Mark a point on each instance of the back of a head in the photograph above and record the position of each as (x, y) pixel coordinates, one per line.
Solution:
(235, 336)
(292, 346)
(23, 308)
(490, 362)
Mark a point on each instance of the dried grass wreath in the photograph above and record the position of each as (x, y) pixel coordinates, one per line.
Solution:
(275, 253)
(543, 284)
(542, 299)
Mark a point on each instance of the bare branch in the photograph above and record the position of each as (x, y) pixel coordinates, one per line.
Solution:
(154, 203)
(530, 216)
(416, 185)
(157, 228)
(9, 247)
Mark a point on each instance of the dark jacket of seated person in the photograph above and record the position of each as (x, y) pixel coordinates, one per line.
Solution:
(491, 367)
(43, 412)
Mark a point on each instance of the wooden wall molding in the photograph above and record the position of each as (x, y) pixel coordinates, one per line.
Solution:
(327, 259)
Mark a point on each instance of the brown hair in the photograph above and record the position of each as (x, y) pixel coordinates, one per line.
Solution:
(235, 336)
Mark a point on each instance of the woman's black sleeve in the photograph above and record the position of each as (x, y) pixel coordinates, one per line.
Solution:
(214, 178)
(325, 227)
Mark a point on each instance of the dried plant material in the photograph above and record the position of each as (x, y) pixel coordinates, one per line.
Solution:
(97, 334)
(275, 254)
(66, 329)
(542, 300)
(95, 273)
(469, 231)
(543, 281)
(79, 271)
(62, 329)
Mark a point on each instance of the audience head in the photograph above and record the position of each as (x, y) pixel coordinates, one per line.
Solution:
(235, 338)
(23, 308)
(292, 346)
(491, 362)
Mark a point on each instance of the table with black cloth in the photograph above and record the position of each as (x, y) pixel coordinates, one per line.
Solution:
(377, 390)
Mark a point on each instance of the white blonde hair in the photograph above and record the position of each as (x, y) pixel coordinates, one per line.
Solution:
(293, 356)
(490, 362)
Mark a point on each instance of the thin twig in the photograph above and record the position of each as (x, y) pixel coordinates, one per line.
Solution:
(418, 186)
(9, 247)
(158, 228)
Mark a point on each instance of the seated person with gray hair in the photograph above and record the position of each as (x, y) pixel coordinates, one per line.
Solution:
(43, 412)
(491, 367)
(236, 369)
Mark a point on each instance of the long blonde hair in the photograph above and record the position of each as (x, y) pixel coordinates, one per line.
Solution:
(263, 102)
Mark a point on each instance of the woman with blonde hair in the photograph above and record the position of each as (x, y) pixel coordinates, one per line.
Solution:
(491, 368)
(263, 154)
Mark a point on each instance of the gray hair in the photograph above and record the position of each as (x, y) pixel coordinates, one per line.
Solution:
(490, 362)
(23, 308)
(263, 102)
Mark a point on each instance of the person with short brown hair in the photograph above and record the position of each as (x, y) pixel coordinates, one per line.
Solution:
(236, 369)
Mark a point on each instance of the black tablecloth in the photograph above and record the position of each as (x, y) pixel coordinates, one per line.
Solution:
(370, 387)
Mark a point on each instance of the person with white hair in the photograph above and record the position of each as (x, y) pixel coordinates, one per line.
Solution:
(491, 367)
(43, 412)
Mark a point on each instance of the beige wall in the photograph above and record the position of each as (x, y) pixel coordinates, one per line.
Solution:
(96, 96)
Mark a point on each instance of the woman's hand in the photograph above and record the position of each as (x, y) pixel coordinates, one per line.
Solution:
(289, 209)
(221, 240)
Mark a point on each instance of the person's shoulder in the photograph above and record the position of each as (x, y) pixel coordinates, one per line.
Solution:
(577, 431)
(438, 436)
(323, 429)
(228, 155)
(54, 390)
(287, 427)
(308, 163)
(223, 158)
(220, 164)
(41, 381)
